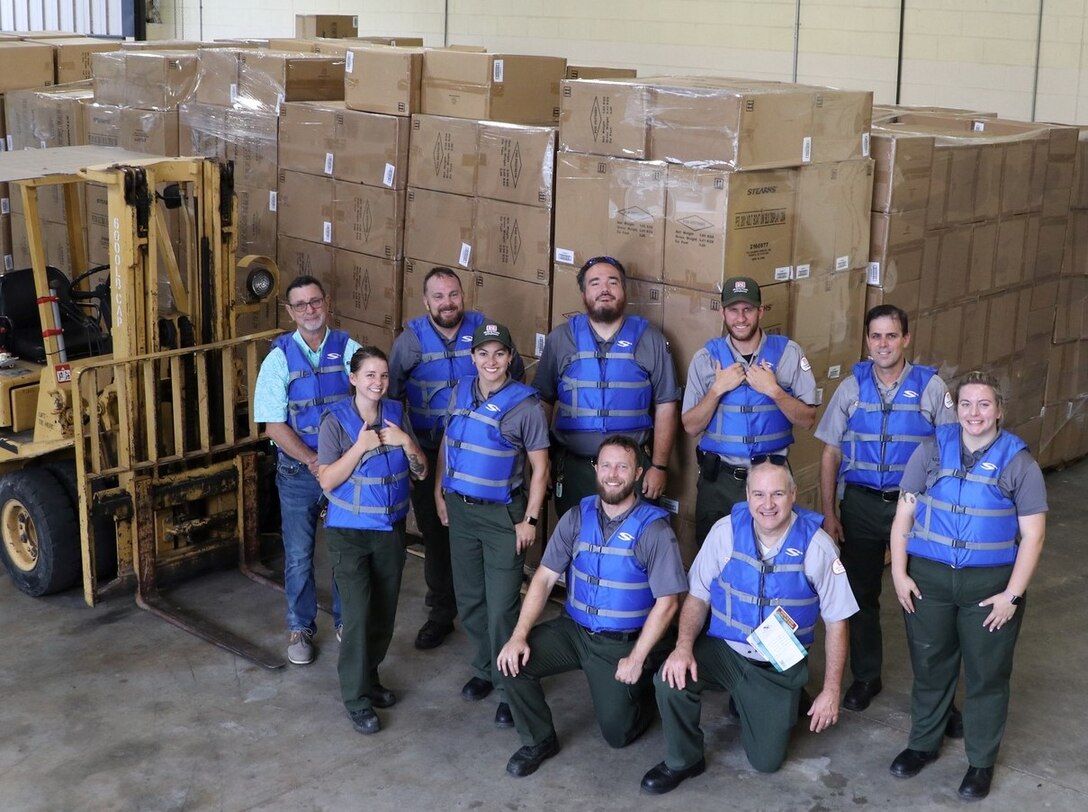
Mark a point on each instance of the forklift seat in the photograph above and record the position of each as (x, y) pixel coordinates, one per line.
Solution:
(19, 312)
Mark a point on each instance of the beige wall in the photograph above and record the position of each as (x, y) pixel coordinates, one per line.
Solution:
(979, 54)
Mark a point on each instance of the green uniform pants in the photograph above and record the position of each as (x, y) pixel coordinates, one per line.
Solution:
(866, 524)
(487, 576)
(556, 646)
(367, 566)
(946, 627)
(437, 570)
(713, 500)
(766, 701)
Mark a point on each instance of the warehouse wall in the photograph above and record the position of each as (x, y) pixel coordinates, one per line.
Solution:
(960, 53)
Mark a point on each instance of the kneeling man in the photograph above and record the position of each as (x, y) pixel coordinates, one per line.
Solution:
(624, 579)
(765, 574)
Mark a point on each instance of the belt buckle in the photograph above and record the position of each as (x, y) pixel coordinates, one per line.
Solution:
(740, 474)
(890, 496)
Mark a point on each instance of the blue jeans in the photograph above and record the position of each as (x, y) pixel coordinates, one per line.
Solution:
(300, 498)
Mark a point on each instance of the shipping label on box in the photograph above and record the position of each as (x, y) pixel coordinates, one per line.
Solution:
(513, 240)
(367, 288)
(369, 219)
(605, 118)
(721, 223)
(384, 80)
(440, 227)
(519, 305)
(443, 154)
(516, 163)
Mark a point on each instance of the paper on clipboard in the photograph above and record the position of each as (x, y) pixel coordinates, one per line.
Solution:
(775, 640)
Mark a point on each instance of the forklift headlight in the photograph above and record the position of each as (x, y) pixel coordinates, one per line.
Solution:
(260, 283)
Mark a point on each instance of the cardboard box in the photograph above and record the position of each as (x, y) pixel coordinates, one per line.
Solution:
(153, 132)
(721, 223)
(440, 228)
(516, 163)
(326, 138)
(326, 25)
(367, 288)
(500, 87)
(257, 225)
(897, 251)
(841, 124)
(267, 79)
(645, 299)
(102, 124)
(592, 72)
(368, 335)
(306, 206)
(692, 317)
(72, 56)
(519, 306)
(831, 227)
(443, 154)
(25, 64)
(415, 271)
(827, 317)
(605, 118)
(384, 80)
(513, 240)
(368, 219)
(54, 239)
(247, 137)
(396, 42)
(304, 258)
(614, 207)
(43, 118)
(945, 266)
(157, 80)
(903, 167)
(218, 75)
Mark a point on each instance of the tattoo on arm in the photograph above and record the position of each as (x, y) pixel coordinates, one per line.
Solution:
(415, 465)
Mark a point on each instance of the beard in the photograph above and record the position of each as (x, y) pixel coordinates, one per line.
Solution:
(605, 311)
(742, 334)
(614, 495)
(447, 319)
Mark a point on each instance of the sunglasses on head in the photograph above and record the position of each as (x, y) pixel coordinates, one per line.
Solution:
(774, 459)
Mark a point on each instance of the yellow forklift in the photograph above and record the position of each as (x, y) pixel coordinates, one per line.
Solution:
(128, 449)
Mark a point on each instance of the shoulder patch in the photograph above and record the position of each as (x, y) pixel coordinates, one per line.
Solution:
(948, 400)
(805, 365)
(837, 567)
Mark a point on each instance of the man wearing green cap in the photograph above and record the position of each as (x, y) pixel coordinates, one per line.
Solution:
(745, 393)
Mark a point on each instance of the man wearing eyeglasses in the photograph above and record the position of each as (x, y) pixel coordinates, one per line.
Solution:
(765, 575)
(427, 359)
(605, 373)
(875, 420)
(745, 393)
(303, 374)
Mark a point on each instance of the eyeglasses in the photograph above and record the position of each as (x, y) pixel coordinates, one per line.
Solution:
(774, 459)
(302, 307)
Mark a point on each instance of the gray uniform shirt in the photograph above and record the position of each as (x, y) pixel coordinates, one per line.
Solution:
(333, 440)
(651, 353)
(656, 550)
(1021, 481)
(822, 568)
(793, 372)
(407, 354)
(525, 427)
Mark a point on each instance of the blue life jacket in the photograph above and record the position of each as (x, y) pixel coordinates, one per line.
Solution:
(747, 423)
(605, 391)
(310, 391)
(479, 462)
(440, 367)
(964, 519)
(375, 496)
(748, 588)
(879, 437)
(608, 589)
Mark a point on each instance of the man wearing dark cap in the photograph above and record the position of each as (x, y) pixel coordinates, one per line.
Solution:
(494, 424)
(607, 373)
(745, 393)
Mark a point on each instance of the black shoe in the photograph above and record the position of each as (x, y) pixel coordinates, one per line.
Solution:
(976, 784)
(365, 721)
(860, 694)
(476, 689)
(526, 760)
(953, 729)
(662, 778)
(381, 697)
(431, 634)
(910, 762)
(503, 717)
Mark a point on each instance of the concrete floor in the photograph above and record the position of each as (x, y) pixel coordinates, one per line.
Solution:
(112, 709)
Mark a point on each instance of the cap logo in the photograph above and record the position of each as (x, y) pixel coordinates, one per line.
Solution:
(491, 330)
(740, 286)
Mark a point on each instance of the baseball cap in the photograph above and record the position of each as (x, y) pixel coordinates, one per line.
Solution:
(741, 289)
(491, 331)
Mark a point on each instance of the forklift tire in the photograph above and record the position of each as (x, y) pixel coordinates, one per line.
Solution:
(105, 532)
(39, 534)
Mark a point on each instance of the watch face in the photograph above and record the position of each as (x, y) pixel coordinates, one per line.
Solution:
(1015, 600)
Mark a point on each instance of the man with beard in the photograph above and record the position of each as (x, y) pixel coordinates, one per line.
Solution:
(745, 393)
(426, 360)
(607, 373)
(304, 373)
(624, 579)
(875, 420)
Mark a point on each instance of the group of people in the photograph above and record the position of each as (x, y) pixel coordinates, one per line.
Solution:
(906, 465)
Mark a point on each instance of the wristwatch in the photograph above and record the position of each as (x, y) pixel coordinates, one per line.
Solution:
(1015, 599)
(532, 520)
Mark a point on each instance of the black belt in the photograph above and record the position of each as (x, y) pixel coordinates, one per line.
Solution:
(759, 663)
(472, 500)
(620, 637)
(886, 496)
